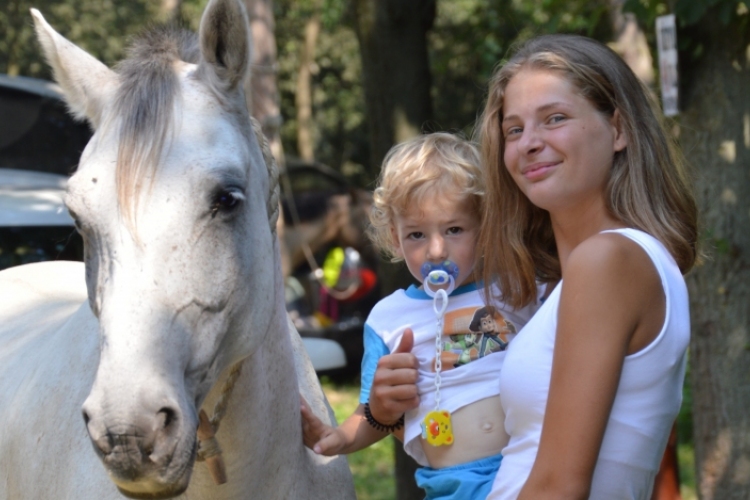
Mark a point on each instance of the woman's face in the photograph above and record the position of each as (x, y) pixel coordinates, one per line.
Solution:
(558, 148)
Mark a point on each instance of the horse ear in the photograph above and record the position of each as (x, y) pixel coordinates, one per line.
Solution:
(225, 42)
(86, 82)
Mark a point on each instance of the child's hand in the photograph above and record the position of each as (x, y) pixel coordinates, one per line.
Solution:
(319, 437)
(394, 387)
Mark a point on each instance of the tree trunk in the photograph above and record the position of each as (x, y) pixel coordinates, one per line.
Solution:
(716, 139)
(392, 37)
(303, 101)
(170, 10)
(630, 42)
(262, 93)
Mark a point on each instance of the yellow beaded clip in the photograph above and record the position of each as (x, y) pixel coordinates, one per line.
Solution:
(437, 429)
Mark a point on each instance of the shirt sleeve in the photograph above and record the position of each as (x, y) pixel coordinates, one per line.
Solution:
(375, 349)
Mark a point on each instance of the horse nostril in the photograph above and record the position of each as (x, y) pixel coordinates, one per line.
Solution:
(86, 417)
(168, 416)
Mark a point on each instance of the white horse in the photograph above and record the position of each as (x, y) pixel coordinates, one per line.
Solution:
(177, 206)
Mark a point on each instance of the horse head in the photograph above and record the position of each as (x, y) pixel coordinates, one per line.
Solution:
(176, 206)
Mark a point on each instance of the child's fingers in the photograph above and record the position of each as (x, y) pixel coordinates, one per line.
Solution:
(406, 343)
(312, 427)
(329, 445)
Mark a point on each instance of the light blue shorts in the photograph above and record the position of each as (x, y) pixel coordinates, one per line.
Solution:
(469, 481)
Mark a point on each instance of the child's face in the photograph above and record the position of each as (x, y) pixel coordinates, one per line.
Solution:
(443, 227)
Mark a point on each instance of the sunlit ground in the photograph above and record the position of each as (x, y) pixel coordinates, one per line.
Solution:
(373, 467)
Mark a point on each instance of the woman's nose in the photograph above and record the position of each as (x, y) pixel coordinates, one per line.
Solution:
(531, 141)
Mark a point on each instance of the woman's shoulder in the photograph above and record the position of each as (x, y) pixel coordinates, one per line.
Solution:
(612, 259)
(614, 250)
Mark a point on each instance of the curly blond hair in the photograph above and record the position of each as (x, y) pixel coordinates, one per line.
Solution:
(439, 162)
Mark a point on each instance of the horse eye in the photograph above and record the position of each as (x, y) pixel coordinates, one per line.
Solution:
(226, 201)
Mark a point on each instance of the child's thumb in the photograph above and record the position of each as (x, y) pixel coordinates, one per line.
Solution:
(407, 342)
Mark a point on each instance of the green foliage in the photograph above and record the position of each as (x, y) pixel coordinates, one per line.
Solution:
(98, 26)
(338, 98)
(471, 37)
(688, 12)
(372, 467)
(696, 20)
(686, 461)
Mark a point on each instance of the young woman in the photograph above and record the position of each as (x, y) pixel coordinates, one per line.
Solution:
(584, 187)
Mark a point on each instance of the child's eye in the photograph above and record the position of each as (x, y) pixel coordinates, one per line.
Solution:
(416, 235)
(454, 230)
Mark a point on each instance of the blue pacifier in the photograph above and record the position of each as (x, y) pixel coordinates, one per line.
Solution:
(441, 276)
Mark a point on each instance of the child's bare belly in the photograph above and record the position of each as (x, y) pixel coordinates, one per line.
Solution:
(478, 432)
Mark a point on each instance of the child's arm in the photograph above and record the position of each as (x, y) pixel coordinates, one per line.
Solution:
(352, 435)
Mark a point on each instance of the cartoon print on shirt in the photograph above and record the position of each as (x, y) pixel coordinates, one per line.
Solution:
(487, 333)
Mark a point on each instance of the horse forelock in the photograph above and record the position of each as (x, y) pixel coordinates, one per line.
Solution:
(145, 105)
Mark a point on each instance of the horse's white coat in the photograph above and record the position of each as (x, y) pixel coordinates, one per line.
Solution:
(171, 306)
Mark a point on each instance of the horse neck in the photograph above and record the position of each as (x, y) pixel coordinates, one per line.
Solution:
(260, 432)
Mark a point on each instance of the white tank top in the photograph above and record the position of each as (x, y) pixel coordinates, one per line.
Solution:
(646, 404)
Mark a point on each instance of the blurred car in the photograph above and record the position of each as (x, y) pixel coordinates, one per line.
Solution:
(34, 224)
(37, 132)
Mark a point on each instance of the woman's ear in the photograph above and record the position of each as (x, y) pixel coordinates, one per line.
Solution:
(621, 139)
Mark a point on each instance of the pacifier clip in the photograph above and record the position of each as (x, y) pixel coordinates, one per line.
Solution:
(436, 426)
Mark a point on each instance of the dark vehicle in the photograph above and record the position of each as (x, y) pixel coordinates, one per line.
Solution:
(34, 224)
(39, 146)
(36, 132)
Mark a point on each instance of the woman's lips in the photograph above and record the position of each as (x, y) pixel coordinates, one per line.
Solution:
(538, 170)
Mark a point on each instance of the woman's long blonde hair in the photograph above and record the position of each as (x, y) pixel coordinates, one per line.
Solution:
(648, 188)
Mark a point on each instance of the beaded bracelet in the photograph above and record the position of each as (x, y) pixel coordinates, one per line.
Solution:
(380, 426)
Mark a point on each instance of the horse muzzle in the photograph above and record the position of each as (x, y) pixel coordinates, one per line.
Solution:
(149, 457)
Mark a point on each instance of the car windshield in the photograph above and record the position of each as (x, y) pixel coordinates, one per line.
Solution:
(39, 134)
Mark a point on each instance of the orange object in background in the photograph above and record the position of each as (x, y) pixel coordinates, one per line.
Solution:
(667, 482)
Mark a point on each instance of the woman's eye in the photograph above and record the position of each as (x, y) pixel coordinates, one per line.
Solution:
(226, 201)
(513, 131)
(556, 118)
